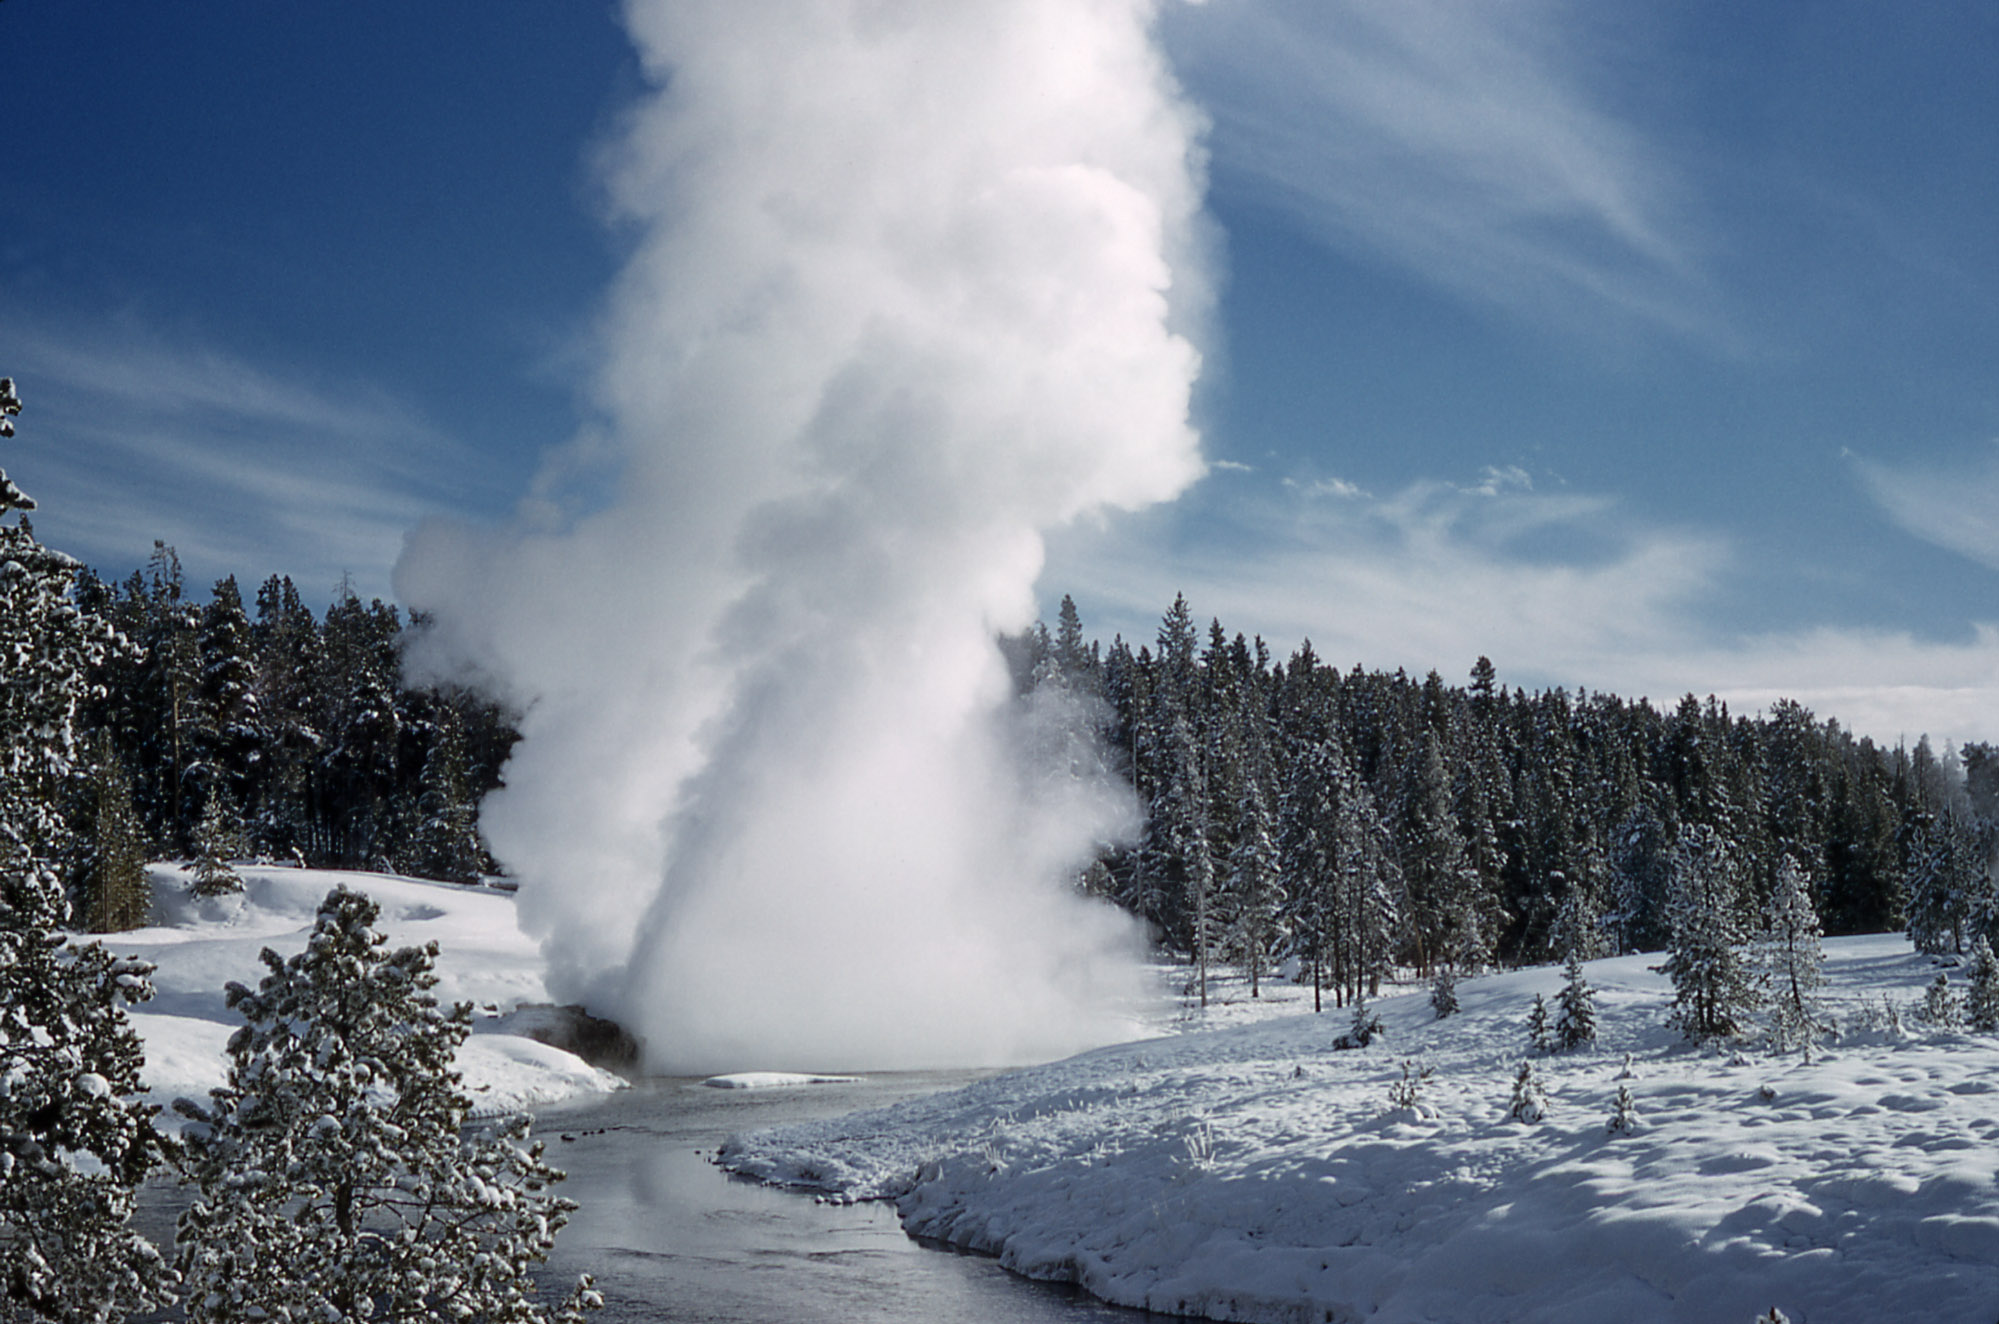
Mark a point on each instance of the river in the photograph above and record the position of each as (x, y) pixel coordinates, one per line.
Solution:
(671, 1237)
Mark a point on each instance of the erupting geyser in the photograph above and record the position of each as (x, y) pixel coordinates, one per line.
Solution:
(913, 285)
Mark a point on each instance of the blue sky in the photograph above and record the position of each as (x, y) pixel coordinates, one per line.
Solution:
(1641, 348)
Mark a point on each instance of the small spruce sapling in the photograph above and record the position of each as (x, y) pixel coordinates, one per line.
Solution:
(1537, 1025)
(1623, 1113)
(1366, 1026)
(1941, 1005)
(1444, 992)
(1575, 1021)
(1407, 1093)
(1530, 1100)
(1981, 999)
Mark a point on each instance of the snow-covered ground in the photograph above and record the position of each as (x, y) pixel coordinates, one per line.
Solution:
(1254, 1173)
(199, 946)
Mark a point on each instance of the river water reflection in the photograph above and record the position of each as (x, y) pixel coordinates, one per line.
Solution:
(670, 1237)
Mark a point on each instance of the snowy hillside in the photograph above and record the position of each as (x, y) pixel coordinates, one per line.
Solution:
(200, 946)
(1254, 1173)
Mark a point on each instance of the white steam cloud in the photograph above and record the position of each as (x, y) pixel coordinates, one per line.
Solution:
(913, 287)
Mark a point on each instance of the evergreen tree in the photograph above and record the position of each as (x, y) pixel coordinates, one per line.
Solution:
(216, 843)
(1255, 888)
(1407, 1093)
(76, 1139)
(361, 730)
(1363, 1029)
(1948, 883)
(1444, 992)
(1623, 1113)
(1981, 998)
(1366, 885)
(227, 734)
(109, 890)
(49, 648)
(1436, 872)
(1575, 1015)
(1537, 1025)
(1713, 989)
(1793, 954)
(76, 1136)
(1641, 871)
(447, 844)
(1074, 661)
(280, 815)
(1530, 1100)
(1307, 846)
(169, 759)
(336, 1181)
(1941, 1006)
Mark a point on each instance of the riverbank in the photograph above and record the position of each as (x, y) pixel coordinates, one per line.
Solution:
(1258, 1173)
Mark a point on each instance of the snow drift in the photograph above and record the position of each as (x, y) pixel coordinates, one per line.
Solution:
(1258, 1174)
(200, 946)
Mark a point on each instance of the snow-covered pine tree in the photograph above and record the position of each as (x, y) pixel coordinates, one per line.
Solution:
(1367, 885)
(1256, 887)
(1947, 882)
(1981, 998)
(1623, 1113)
(1941, 1006)
(76, 1139)
(108, 887)
(1537, 1025)
(1436, 874)
(1575, 1015)
(335, 1179)
(1530, 1099)
(1407, 1093)
(1713, 989)
(216, 842)
(1365, 1027)
(1444, 992)
(227, 732)
(1306, 856)
(446, 841)
(1792, 956)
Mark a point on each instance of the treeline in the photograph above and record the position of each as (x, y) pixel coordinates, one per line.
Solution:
(224, 728)
(1359, 821)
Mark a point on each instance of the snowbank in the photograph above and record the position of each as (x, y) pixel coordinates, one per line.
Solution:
(772, 1080)
(199, 946)
(1254, 1173)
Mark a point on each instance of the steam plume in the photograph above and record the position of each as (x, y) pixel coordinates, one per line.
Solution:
(912, 288)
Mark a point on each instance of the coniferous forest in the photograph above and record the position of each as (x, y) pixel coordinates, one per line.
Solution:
(1340, 823)
(1360, 821)
(221, 728)
(1353, 820)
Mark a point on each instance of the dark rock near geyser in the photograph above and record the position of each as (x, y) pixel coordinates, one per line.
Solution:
(600, 1042)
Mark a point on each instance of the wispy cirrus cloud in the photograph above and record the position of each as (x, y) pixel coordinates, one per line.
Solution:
(1460, 141)
(131, 436)
(1954, 505)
